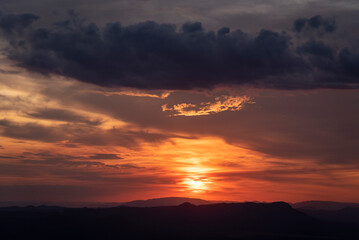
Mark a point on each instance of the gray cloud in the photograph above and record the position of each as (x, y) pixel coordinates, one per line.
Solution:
(81, 134)
(150, 55)
(61, 115)
(48, 192)
(31, 131)
(316, 22)
(104, 156)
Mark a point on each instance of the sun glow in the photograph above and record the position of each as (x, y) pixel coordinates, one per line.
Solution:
(197, 184)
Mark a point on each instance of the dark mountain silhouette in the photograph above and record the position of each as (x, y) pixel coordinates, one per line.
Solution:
(343, 212)
(154, 202)
(61, 204)
(227, 221)
(345, 215)
(168, 201)
(323, 205)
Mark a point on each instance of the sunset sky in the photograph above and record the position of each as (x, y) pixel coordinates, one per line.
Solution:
(117, 100)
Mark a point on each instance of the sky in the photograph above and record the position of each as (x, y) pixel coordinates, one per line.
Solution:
(117, 100)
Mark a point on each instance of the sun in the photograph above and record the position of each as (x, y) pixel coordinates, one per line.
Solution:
(196, 185)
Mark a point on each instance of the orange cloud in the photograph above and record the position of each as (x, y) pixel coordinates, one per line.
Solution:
(221, 104)
(136, 93)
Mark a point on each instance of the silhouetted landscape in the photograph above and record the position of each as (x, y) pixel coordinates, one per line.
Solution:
(248, 220)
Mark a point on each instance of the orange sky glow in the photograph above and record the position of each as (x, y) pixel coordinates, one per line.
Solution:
(68, 141)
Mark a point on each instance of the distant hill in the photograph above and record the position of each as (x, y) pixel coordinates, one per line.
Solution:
(330, 211)
(345, 215)
(323, 205)
(222, 221)
(154, 202)
(60, 204)
(168, 201)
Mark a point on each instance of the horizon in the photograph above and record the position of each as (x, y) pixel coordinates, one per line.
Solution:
(115, 101)
(168, 203)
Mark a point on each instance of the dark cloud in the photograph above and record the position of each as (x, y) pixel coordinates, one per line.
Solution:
(73, 163)
(322, 56)
(31, 131)
(316, 22)
(149, 55)
(6, 157)
(56, 157)
(350, 62)
(3, 71)
(80, 134)
(47, 192)
(62, 115)
(104, 156)
(317, 48)
(64, 160)
(299, 175)
(12, 24)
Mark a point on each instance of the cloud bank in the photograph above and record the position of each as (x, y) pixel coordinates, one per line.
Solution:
(149, 55)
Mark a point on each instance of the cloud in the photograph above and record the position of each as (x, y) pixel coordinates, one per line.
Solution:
(12, 24)
(104, 156)
(81, 134)
(221, 104)
(149, 55)
(31, 131)
(61, 115)
(47, 192)
(134, 93)
(314, 23)
(48, 158)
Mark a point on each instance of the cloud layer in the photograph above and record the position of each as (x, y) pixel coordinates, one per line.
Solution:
(149, 55)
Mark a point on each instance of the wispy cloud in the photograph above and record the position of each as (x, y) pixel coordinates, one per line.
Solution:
(221, 104)
(136, 93)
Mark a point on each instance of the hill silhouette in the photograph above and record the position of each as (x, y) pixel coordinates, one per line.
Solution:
(153, 202)
(168, 201)
(345, 215)
(187, 221)
(324, 205)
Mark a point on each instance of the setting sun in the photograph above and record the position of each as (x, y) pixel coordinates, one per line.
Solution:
(197, 185)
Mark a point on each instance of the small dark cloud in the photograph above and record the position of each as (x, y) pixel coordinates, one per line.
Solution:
(104, 156)
(317, 48)
(47, 192)
(321, 56)
(11, 24)
(192, 27)
(324, 176)
(63, 162)
(62, 115)
(48, 158)
(349, 62)
(299, 24)
(314, 23)
(149, 55)
(6, 157)
(31, 131)
(129, 166)
(8, 71)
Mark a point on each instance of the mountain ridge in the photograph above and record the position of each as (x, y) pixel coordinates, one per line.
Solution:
(249, 220)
